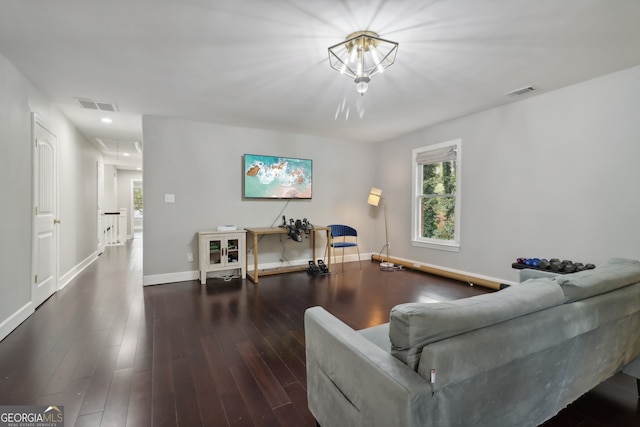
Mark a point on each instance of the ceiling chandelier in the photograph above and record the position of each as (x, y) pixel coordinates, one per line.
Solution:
(362, 55)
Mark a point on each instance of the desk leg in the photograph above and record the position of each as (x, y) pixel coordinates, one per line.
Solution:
(329, 250)
(255, 258)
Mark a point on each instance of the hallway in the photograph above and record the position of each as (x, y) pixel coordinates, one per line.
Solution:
(79, 348)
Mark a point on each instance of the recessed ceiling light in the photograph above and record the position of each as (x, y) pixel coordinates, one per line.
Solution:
(106, 120)
(125, 154)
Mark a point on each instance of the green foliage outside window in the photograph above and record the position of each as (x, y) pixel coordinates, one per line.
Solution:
(137, 202)
(438, 200)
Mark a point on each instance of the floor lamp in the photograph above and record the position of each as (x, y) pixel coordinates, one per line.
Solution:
(375, 196)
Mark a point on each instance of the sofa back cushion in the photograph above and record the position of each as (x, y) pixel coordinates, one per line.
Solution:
(613, 274)
(414, 325)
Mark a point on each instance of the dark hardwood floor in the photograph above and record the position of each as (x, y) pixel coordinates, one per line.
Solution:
(228, 353)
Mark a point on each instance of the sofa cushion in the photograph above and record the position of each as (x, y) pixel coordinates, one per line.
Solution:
(414, 325)
(615, 273)
(379, 335)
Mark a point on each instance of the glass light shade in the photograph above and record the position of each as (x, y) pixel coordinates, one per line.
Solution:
(362, 55)
(362, 87)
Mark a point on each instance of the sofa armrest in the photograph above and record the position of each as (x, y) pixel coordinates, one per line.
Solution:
(351, 381)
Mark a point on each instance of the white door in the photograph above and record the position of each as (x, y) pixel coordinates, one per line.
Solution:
(45, 223)
(100, 192)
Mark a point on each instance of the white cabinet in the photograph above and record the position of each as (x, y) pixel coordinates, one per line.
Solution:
(221, 250)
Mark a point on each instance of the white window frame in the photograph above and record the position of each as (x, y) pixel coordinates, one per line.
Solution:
(416, 226)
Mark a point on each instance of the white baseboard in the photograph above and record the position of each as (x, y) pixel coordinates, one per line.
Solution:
(158, 279)
(66, 278)
(349, 257)
(185, 276)
(13, 321)
(180, 276)
(417, 264)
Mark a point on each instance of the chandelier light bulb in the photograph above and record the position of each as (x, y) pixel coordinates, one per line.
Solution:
(362, 84)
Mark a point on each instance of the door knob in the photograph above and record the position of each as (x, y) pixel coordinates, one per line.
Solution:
(56, 221)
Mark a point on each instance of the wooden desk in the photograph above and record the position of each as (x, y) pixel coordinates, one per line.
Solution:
(253, 235)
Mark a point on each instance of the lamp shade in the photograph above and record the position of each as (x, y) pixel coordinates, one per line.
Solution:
(375, 194)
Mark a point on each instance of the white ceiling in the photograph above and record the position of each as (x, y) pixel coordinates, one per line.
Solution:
(264, 64)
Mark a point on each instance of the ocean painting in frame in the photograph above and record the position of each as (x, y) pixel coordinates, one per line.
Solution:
(271, 177)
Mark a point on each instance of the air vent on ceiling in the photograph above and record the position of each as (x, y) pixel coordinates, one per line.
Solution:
(521, 91)
(97, 105)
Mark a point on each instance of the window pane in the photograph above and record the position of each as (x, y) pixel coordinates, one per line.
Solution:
(137, 202)
(438, 217)
(439, 178)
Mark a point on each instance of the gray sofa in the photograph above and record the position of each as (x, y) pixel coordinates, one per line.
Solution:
(515, 357)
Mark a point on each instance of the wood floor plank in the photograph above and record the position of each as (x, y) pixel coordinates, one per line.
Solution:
(86, 366)
(71, 398)
(129, 342)
(39, 375)
(65, 370)
(113, 352)
(163, 410)
(273, 359)
(96, 395)
(89, 420)
(139, 407)
(298, 396)
(209, 402)
(290, 358)
(261, 410)
(266, 380)
(187, 409)
(117, 404)
(236, 413)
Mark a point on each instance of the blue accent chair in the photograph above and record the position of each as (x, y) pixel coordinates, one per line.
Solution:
(343, 236)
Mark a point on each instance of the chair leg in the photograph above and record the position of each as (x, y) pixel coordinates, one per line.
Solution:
(359, 260)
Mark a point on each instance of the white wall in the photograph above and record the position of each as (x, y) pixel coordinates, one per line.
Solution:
(202, 165)
(77, 194)
(110, 202)
(555, 175)
(78, 199)
(15, 190)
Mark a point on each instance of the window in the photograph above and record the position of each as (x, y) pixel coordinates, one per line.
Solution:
(436, 201)
(137, 202)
